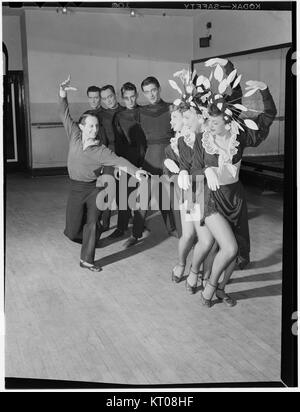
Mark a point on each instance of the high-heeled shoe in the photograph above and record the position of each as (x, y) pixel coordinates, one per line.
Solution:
(226, 299)
(207, 302)
(191, 289)
(175, 278)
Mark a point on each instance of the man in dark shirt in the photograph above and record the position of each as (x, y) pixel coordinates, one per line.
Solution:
(110, 107)
(130, 143)
(85, 156)
(155, 122)
(94, 99)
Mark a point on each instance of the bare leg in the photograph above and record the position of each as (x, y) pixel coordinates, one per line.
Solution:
(201, 250)
(185, 244)
(227, 275)
(222, 232)
(220, 293)
(208, 262)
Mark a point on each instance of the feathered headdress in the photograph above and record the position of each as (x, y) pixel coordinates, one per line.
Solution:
(188, 89)
(202, 92)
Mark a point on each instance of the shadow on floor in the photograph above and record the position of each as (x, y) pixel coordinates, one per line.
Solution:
(260, 277)
(271, 290)
(272, 259)
(157, 235)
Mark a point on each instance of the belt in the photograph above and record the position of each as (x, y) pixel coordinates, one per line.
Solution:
(80, 184)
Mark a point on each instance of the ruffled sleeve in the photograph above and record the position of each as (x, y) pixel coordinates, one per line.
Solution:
(185, 155)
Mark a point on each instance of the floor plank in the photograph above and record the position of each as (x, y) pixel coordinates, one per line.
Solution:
(129, 324)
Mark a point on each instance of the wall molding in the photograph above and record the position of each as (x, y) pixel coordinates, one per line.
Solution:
(49, 171)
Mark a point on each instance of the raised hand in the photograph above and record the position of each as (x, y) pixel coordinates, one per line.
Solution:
(215, 62)
(65, 86)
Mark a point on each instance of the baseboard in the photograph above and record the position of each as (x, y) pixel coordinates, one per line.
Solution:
(49, 171)
(264, 158)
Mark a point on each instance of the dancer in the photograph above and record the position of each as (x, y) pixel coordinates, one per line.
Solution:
(94, 99)
(172, 168)
(172, 163)
(110, 107)
(155, 122)
(130, 143)
(191, 208)
(183, 152)
(217, 156)
(85, 156)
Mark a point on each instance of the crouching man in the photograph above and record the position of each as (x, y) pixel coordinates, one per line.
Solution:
(86, 155)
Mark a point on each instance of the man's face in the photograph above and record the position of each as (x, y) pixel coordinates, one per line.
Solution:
(108, 99)
(129, 98)
(89, 129)
(94, 100)
(152, 93)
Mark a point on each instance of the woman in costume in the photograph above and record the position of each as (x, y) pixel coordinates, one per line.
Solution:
(187, 122)
(218, 153)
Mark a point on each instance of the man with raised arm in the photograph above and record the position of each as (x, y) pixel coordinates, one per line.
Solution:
(85, 157)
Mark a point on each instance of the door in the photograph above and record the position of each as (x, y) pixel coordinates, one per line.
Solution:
(14, 128)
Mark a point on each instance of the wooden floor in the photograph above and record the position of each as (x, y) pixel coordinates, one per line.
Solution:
(129, 324)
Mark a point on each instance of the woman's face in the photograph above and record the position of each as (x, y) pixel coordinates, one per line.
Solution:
(191, 120)
(217, 125)
(176, 121)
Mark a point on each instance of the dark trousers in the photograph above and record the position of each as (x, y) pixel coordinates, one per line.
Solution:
(82, 218)
(174, 199)
(242, 234)
(124, 212)
(167, 213)
(106, 214)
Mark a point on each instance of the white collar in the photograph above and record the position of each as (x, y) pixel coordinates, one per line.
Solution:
(225, 155)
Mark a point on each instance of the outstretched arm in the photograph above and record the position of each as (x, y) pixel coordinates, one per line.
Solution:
(252, 138)
(109, 158)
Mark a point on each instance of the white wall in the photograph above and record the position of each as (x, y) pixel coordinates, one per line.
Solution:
(234, 31)
(11, 35)
(96, 49)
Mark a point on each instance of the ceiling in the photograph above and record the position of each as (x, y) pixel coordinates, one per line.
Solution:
(99, 9)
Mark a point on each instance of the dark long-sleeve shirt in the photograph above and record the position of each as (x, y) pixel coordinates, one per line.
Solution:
(155, 121)
(82, 164)
(130, 139)
(107, 118)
